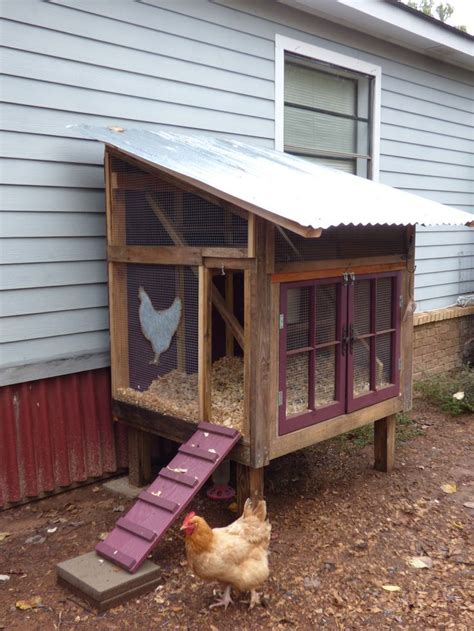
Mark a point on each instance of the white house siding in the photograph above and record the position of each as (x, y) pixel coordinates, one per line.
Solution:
(195, 65)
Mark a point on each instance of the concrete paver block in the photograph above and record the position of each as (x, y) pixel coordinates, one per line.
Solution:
(122, 486)
(104, 584)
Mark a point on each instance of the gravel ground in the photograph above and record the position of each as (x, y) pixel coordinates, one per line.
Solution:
(343, 536)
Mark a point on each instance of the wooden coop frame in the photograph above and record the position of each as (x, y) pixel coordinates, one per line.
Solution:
(259, 338)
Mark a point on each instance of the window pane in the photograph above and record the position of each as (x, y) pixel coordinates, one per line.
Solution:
(326, 310)
(348, 166)
(313, 130)
(297, 383)
(361, 364)
(297, 330)
(325, 376)
(310, 87)
(384, 360)
(361, 307)
(384, 303)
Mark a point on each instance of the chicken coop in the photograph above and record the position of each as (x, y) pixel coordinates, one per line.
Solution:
(257, 291)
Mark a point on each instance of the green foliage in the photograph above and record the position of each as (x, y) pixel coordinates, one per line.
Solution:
(406, 430)
(444, 10)
(439, 390)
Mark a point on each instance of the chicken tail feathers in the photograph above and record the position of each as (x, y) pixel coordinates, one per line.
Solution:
(257, 509)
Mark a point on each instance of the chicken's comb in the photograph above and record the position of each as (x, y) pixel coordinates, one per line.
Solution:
(188, 517)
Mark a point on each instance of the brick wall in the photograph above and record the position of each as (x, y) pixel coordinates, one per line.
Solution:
(443, 340)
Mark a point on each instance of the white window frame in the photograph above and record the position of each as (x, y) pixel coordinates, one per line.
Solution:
(315, 53)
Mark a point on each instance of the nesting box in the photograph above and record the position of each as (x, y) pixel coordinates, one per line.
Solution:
(223, 312)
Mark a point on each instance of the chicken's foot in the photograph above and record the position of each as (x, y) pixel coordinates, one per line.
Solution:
(225, 601)
(254, 599)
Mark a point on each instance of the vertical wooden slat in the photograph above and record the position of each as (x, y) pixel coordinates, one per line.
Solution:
(384, 443)
(204, 343)
(139, 457)
(270, 248)
(181, 331)
(406, 328)
(118, 298)
(257, 334)
(250, 484)
(229, 301)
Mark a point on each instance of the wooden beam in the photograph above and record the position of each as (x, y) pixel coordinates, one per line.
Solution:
(348, 264)
(384, 443)
(229, 253)
(204, 345)
(141, 182)
(169, 427)
(281, 445)
(179, 276)
(154, 254)
(250, 484)
(139, 457)
(228, 263)
(289, 277)
(270, 249)
(258, 316)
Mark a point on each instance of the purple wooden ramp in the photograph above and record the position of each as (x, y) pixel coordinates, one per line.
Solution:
(138, 532)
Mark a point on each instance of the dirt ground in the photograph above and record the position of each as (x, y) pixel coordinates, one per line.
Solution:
(342, 533)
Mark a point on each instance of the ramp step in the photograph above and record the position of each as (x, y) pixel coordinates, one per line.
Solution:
(115, 555)
(198, 453)
(161, 502)
(180, 478)
(141, 531)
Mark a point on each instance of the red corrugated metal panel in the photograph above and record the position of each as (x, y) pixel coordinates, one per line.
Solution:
(55, 432)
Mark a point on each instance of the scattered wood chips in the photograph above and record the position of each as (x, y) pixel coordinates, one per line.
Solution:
(176, 394)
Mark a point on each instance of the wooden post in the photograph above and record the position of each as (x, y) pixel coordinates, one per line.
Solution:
(204, 344)
(139, 457)
(250, 483)
(117, 273)
(406, 328)
(179, 273)
(259, 410)
(384, 443)
(229, 301)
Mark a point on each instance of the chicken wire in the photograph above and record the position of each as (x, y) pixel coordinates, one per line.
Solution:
(153, 205)
(342, 242)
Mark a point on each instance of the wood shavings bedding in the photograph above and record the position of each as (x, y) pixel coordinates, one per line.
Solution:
(176, 394)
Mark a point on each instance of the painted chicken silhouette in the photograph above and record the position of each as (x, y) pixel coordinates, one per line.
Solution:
(158, 326)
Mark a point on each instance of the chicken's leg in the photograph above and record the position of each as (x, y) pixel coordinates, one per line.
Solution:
(254, 599)
(225, 601)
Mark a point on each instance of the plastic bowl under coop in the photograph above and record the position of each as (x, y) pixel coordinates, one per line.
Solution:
(176, 394)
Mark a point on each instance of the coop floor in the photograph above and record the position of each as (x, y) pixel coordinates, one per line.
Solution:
(361, 526)
(176, 394)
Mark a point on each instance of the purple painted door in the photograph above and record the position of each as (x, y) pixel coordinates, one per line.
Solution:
(339, 347)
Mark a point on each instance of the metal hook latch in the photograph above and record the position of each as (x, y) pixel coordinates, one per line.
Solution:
(222, 270)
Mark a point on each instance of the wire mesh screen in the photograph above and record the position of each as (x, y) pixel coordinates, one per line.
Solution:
(297, 335)
(326, 306)
(325, 376)
(362, 297)
(297, 370)
(159, 213)
(361, 367)
(384, 303)
(384, 360)
(342, 242)
(163, 339)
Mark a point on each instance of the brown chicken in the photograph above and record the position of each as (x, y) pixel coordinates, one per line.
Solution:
(235, 556)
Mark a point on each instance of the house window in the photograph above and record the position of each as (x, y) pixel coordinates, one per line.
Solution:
(327, 108)
(339, 346)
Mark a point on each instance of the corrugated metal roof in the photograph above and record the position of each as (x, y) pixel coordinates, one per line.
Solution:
(277, 185)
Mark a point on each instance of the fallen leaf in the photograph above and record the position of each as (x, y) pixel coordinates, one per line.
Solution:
(118, 509)
(4, 535)
(420, 563)
(4, 578)
(391, 588)
(177, 470)
(469, 504)
(103, 535)
(96, 489)
(459, 396)
(28, 604)
(457, 524)
(51, 530)
(157, 493)
(36, 539)
(449, 488)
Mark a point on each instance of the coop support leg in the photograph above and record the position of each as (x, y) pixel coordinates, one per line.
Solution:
(384, 443)
(139, 457)
(249, 484)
